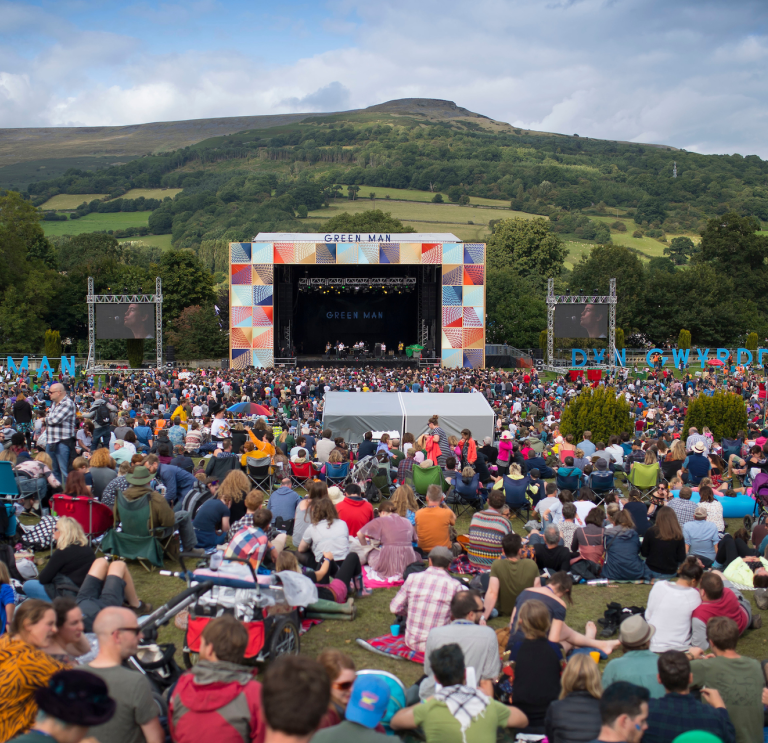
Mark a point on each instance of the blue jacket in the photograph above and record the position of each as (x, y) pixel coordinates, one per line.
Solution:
(698, 466)
(176, 480)
(540, 464)
(622, 555)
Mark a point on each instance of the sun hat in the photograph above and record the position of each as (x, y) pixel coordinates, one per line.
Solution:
(506, 435)
(700, 513)
(601, 464)
(426, 464)
(634, 631)
(140, 476)
(698, 447)
(368, 702)
(335, 494)
(76, 698)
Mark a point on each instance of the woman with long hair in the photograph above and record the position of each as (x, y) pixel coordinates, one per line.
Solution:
(622, 551)
(396, 535)
(25, 666)
(76, 485)
(103, 471)
(673, 462)
(326, 533)
(588, 540)
(405, 503)
(342, 673)
(575, 716)
(663, 546)
(671, 606)
(713, 507)
(235, 486)
(303, 516)
(65, 571)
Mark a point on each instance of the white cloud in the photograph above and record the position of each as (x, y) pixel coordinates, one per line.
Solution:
(689, 74)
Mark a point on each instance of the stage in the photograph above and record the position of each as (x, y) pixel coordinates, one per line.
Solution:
(386, 362)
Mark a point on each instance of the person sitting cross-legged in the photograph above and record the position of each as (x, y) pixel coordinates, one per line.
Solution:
(678, 711)
(486, 531)
(219, 699)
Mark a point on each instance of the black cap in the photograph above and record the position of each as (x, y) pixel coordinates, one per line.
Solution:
(77, 698)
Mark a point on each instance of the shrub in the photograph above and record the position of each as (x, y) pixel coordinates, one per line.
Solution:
(598, 410)
(724, 413)
(302, 211)
(437, 198)
(751, 343)
(135, 352)
(463, 200)
(637, 233)
(655, 232)
(619, 226)
(684, 339)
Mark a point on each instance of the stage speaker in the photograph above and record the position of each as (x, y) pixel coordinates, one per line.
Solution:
(377, 349)
(539, 364)
(225, 364)
(170, 353)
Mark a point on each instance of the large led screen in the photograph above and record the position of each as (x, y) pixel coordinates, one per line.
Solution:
(132, 320)
(581, 321)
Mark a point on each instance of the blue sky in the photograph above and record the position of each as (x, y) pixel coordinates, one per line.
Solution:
(689, 74)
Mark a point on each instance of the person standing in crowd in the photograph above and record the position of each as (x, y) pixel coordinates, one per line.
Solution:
(60, 430)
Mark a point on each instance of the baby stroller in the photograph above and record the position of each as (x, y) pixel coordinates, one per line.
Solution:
(760, 494)
(363, 473)
(259, 603)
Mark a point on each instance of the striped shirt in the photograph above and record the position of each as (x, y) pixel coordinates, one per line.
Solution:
(445, 447)
(486, 530)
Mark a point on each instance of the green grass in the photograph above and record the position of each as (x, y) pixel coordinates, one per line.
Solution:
(150, 193)
(71, 200)
(160, 241)
(409, 194)
(97, 222)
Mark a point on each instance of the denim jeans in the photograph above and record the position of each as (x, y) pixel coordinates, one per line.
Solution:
(101, 435)
(33, 589)
(59, 453)
(661, 576)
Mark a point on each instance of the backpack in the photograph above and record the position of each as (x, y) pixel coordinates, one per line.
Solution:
(103, 416)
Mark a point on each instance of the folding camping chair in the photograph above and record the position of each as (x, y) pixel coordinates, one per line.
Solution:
(423, 477)
(336, 474)
(301, 474)
(516, 495)
(259, 472)
(602, 484)
(731, 446)
(95, 517)
(572, 481)
(9, 492)
(464, 497)
(645, 477)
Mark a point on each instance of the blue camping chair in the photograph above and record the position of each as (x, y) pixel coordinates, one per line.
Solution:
(602, 484)
(464, 496)
(516, 494)
(336, 474)
(570, 482)
(9, 491)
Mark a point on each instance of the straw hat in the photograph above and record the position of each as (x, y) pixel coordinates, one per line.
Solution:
(335, 495)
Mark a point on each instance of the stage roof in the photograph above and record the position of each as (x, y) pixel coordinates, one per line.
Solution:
(351, 237)
(351, 414)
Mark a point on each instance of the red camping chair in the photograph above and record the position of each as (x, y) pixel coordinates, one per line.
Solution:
(95, 517)
(300, 473)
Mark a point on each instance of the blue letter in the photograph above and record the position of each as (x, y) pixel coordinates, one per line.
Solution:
(598, 355)
(681, 355)
(44, 367)
(650, 353)
(740, 351)
(68, 366)
(703, 357)
(17, 370)
(722, 354)
(760, 356)
(621, 356)
(574, 351)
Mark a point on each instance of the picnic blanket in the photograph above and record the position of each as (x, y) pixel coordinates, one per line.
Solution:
(391, 645)
(307, 624)
(371, 579)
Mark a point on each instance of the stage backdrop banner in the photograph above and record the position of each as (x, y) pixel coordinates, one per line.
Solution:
(351, 414)
(252, 293)
(455, 412)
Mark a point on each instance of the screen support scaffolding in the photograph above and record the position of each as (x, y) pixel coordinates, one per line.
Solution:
(555, 299)
(94, 299)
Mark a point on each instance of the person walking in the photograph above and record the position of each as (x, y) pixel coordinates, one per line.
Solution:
(60, 431)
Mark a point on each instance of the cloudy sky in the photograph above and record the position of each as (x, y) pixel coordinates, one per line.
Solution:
(692, 74)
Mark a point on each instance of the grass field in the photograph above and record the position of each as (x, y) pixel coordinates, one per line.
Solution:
(150, 193)
(160, 241)
(70, 200)
(96, 222)
(408, 194)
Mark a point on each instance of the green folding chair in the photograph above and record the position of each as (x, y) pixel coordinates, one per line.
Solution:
(644, 477)
(423, 477)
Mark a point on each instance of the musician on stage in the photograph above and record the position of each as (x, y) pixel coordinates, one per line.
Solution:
(328, 347)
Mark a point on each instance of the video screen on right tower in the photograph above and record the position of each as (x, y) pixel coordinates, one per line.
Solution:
(581, 321)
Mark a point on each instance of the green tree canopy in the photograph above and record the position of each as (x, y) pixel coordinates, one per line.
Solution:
(598, 410)
(195, 334)
(680, 250)
(373, 220)
(527, 245)
(515, 313)
(186, 282)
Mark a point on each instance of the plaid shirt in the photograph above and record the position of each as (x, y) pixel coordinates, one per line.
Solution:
(684, 509)
(697, 438)
(675, 714)
(60, 422)
(404, 469)
(426, 598)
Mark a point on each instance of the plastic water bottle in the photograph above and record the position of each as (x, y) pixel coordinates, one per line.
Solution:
(216, 560)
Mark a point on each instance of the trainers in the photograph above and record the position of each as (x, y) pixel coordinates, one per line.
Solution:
(142, 609)
(761, 598)
(197, 552)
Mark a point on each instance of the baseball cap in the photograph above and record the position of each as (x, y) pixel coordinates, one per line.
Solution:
(368, 702)
(77, 698)
(443, 552)
(700, 513)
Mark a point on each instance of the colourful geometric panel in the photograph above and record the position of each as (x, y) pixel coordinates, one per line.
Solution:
(262, 317)
(474, 296)
(241, 359)
(262, 253)
(389, 253)
(474, 337)
(452, 338)
(241, 337)
(451, 296)
(326, 252)
(262, 295)
(241, 317)
(474, 253)
(432, 253)
(262, 337)
(241, 273)
(239, 252)
(346, 253)
(452, 359)
(283, 252)
(452, 317)
(263, 357)
(453, 275)
(242, 296)
(304, 252)
(453, 253)
(473, 317)
(410, 253)
(474, 275)
(263, 274)
(473, 359)
(368, 253)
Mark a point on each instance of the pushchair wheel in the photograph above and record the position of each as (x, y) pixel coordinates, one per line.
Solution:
(284, 639)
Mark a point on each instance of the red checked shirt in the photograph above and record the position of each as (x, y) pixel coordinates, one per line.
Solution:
(426, 599)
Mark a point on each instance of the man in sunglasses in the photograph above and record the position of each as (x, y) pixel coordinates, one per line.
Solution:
(136, 717)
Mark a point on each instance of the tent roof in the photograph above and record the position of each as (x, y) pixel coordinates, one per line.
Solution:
(351, 414)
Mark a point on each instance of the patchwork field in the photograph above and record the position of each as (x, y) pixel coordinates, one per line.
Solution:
(158, 241)
(408, 194)
(70, 200)
(150, 193)
(97, 222)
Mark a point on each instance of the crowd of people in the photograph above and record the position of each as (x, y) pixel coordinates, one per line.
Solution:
(171, 437)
